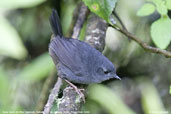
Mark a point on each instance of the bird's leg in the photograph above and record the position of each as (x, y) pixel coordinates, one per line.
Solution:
(77, 90)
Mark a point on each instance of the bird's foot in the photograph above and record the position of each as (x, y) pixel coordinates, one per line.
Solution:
(78, 91)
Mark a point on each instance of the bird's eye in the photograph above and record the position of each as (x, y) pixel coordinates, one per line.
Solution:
(103, 71)
(106, 72)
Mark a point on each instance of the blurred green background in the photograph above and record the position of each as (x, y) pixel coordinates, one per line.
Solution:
(25, 63)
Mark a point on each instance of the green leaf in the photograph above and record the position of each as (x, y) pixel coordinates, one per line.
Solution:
(151, 101)
(170, 89)
(37, 69)
(157, 2)
(4, 86)
(168, 3)
(108, 99)
(103, 8)
(12, 4)
(160, 32)
(146, 9)
(10, 42)
(162, 8)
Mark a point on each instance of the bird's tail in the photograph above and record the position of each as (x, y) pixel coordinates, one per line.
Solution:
(55, 23)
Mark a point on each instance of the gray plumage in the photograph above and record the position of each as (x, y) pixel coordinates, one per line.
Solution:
(78, 61)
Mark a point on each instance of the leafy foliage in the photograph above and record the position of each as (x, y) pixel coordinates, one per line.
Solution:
(160, 29)
(160, 32)
(103, 8)
(161, 7)
(37, 69)
(10, 42)
(168, 3)
(146, 9)
(4, 86)
(13, 4)
(12, 46)
(150, 98)
(108, 99)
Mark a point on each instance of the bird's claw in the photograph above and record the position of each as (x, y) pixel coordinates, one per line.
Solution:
(78, 91)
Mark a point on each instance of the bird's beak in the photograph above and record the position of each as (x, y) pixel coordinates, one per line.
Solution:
(117, 77)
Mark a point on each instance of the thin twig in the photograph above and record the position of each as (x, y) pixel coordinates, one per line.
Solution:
(50, 81)
(52, 96)
(143, 44)
(73, 20)
(80, 20)
(119, 19)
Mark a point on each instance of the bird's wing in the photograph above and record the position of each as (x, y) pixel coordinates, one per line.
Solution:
(68, 53)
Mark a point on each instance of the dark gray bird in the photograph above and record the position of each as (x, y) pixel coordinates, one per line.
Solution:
(78, 61)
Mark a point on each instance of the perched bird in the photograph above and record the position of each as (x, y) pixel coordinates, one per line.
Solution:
(77, 61)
